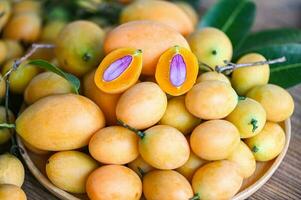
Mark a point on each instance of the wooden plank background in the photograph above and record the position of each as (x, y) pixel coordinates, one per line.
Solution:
(286, 182)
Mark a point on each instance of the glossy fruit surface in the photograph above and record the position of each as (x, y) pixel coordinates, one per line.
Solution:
(153, 38)
(114, 182)
(11, 170)
(211, 100)
(244, 79)
(277, 102)
(132, 105)
(119, 70)
(69, 170)
(11, 192)
(177, 70)
(166, 185)
(60, 122)
(164, 147)
(211, 46)
(214, 140)
(213, 76)
(177, 116)
(267, 144)
(217, 180)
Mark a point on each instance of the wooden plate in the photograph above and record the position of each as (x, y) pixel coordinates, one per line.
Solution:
(264, 171)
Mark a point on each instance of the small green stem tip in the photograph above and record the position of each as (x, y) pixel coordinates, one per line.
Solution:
(5, 125)
(87, 57)
(142, 173)
(241, 98)
(255, 149)
(195, 197)
(141, 134)
(254, 124)
(138, 52)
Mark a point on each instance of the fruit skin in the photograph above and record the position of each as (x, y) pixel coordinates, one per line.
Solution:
(244, 79)
(45, 84)
(24, 27)
(114, 182)
(140, 166)
(14, 49)
(277, 102)
(27, 6)
(166, 12)
(106, 102)
(20, 78)
(193, 163)
(3, 51)
(189, 10)
(164, 147)
(211, 46)
(78, 56)
(127, 78)
(166, 185)
(153, 38)
(269, 143)
(214, 139)
(211, 100)
(114, 145)
(51, 30)
(249, 117)
(164, 70)
(5, 9)
(133, 104)
(11, 170)
(177, 116)
(2, 87)
(217, 180)
(245, 160)
(69, 170)
(213, 76)
(60, 122)
(11, 192)
(5, 133)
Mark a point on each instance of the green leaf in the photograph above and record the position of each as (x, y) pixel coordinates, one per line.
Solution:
(73, 80)
(269, 37)
(234, 17)
(285, 74)
(5, 125)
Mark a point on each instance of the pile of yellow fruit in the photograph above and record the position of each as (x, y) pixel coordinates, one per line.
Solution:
(146, 124)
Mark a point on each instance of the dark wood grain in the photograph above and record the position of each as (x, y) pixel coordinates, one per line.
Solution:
(286, 182)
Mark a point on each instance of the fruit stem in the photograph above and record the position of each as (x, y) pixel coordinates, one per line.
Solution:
(229, 67)
(142, 173)
(254, 124)
(255, 149)
(141, 134)
(138, 52)
(195, 197)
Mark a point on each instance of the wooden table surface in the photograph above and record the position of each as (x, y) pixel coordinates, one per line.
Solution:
(286, 182)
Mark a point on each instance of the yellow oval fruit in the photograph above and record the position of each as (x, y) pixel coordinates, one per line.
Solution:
(164, 147)
(211, 46)
(20, 78)
(79, 47)
(11, 170)
(114, 145)
(166, 185)
(243, 157)
(11, 192)
(153, 38)
(177, 116)
(267, 144)
(3, 51)
(27, 6)
(249, 117)
(2, 87)
(277, 102)
(114, 182)
(166, 13)
(192, 164)
(214, 139)
(14, 49)
(60, 122)
(51, 30)
(213, 76)
(140, 166)
(245, 78)
(5, 9)
(142, 106)
(45, 84)
(69, 170)
(217, 180)
(211, 100)
(5, 133)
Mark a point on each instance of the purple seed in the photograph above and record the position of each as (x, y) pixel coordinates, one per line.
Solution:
(177, 74)
(117, 68)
